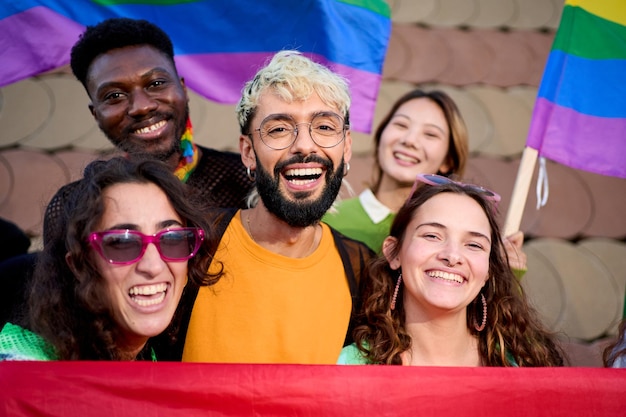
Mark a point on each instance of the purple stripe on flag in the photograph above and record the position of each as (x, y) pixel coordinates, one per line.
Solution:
(220, 77)
(364, 88)
(590, 143)
(35, 41)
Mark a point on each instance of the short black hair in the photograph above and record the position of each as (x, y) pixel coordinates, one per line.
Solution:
(116, 33)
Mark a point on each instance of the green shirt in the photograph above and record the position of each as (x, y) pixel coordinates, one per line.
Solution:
(19, 344)
(351, 355)
(363, 218)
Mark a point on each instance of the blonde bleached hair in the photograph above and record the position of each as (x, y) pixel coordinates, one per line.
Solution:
(293, 77)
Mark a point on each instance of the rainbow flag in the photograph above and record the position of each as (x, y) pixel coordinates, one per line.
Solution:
(218, 44)
(579, 119)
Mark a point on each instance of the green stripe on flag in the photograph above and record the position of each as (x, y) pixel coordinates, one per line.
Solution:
(377, 6)
(586, 35)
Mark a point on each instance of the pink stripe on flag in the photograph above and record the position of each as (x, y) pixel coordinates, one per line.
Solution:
(590, 143)
(220, 77)
(35, 41)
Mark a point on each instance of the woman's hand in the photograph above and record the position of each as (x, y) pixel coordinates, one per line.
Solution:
(517, 257)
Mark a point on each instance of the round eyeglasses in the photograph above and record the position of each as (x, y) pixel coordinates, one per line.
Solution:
(125, 247)
(279, 131)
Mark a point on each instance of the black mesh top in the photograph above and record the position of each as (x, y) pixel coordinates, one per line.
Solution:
(219, 179)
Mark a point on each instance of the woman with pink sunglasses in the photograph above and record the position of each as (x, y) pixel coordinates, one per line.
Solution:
(442, 293)
(113, 273)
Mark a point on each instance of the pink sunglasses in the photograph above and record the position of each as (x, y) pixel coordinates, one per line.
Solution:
(432, 179)
(124, 247)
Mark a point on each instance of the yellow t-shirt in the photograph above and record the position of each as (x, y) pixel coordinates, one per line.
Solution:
(269, 308)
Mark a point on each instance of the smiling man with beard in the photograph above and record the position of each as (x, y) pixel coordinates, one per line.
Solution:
(299, 212)
(290, 283)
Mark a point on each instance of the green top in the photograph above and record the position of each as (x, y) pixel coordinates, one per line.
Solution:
(351, 355)
(362, 218)
(19, 344)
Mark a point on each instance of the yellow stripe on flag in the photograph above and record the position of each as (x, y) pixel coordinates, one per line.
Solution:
(613, 10)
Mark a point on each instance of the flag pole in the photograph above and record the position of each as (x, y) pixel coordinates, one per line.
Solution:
(520, 191)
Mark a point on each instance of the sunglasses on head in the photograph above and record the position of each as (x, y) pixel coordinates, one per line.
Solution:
(125, 247)
(433, 179)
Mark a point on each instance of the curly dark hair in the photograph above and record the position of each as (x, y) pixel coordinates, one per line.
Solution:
(116, 33)
(513, 327)
(616, 349)
(68, 307)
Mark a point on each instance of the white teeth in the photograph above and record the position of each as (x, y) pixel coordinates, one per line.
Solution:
(446, 276)
(300, 172)
(301, 182)
(151, 301)
(306, 173)
(156, 294)
(406, 158)
(148, 289)
(151, 128)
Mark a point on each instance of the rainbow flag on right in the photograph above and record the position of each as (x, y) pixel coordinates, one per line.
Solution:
(579, 118)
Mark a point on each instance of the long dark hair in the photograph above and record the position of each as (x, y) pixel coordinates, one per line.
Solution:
(513, 327)
(68, 307)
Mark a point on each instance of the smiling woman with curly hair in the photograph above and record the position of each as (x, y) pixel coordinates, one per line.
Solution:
(113, 272)
(443, 293)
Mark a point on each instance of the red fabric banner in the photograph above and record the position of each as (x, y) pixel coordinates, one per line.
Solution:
(148, 389)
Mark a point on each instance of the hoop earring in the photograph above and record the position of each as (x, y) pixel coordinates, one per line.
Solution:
(395, 292)
(251, 174)
(482, 325)
(346, 169)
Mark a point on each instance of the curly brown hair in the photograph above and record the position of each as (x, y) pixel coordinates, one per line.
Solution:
(513, 328)
(69, 307)
(617, 348)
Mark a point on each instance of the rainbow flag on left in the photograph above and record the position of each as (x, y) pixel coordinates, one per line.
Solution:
(218, 44)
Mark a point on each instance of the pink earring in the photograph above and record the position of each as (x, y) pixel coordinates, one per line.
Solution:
(482, 325)
(395, 292)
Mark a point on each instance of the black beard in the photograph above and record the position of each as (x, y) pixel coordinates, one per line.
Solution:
(298, 213)
(137, 151)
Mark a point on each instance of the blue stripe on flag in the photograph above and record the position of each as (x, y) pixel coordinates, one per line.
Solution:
(585, 85)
